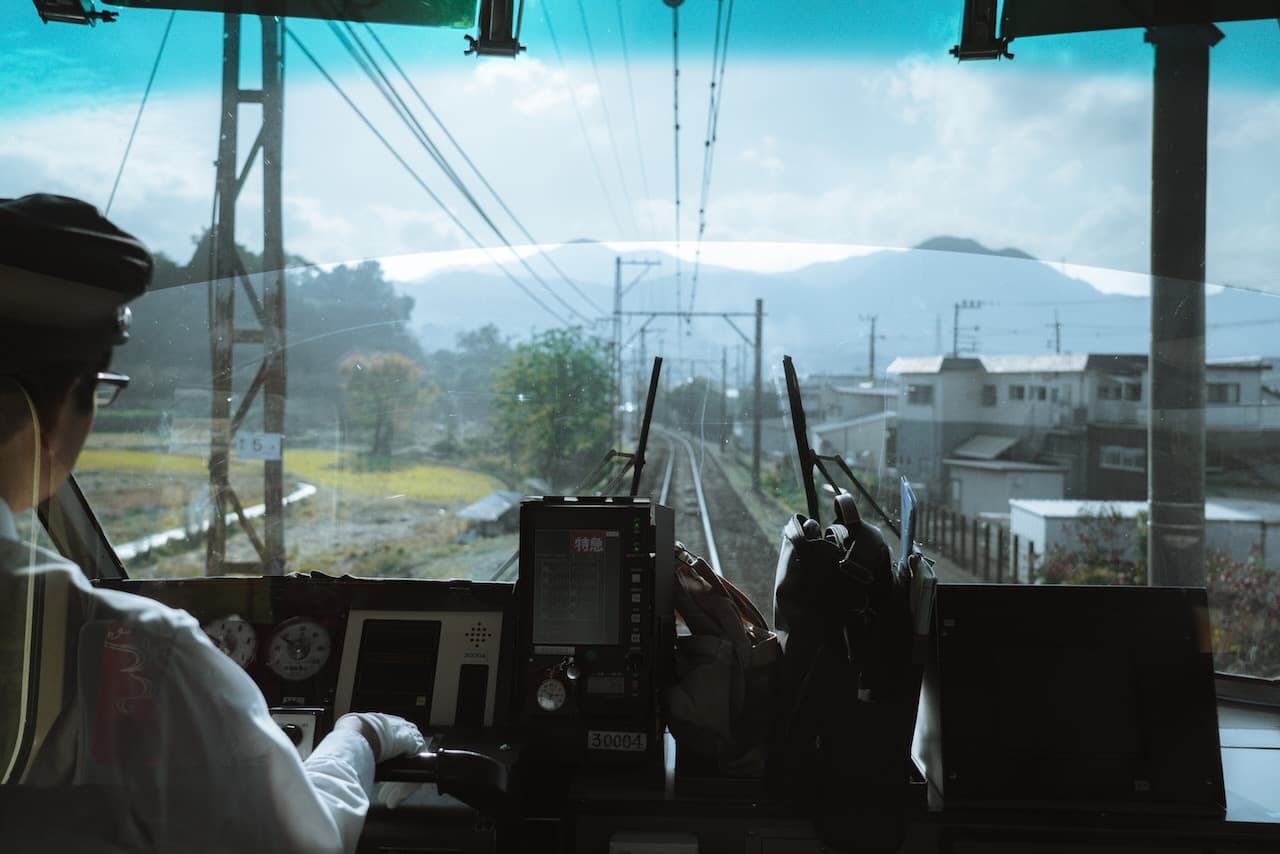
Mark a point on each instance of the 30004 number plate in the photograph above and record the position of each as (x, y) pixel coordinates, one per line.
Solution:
(634, 742)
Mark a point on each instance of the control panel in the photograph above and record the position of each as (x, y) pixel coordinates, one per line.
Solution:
(596, 628)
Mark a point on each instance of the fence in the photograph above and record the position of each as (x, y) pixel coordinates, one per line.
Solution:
(983, 548)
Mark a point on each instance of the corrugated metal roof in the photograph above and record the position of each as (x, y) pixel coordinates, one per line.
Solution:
(492, 507)
(1255, 363)
(829, 426)
(1045, 363)
(1070, 509)
(982, 447)
(1003, 465)
(915, 365)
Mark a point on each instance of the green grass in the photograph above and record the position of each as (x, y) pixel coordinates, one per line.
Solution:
(350, 474)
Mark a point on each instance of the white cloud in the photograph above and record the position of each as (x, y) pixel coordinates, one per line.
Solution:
(830, 154)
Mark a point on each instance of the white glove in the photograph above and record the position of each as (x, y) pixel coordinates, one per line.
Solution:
(391, 795)
(388, 735)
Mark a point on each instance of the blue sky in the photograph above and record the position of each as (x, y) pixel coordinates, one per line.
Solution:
(842, 123)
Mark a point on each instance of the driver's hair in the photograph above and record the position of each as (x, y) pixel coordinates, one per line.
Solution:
(46, 384)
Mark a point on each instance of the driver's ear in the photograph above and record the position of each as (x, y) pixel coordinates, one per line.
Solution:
(60, 424)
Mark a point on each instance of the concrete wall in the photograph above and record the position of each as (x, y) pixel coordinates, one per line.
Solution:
(989, 491)
(863, 444)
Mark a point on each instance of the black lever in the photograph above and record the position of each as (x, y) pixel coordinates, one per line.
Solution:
(478, 779)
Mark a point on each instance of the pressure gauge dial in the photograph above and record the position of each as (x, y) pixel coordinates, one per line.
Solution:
(551, 695)
(298, 649)
(234, 637)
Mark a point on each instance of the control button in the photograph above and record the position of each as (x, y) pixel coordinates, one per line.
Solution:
(294, 732)
(635, 637)
(635, 578)
(635, 597)
(635, 618)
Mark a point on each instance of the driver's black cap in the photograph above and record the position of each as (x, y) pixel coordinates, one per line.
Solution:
(66, 273)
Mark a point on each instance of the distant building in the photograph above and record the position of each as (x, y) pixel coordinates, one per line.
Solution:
(1085, 414)
(861, 441)
(1238, 530)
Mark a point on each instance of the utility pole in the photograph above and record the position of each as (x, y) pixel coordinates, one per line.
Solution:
(724, 397)
(756, 343)
(759, 398)
(937, 334)
(616, 422)
(963, 305)
(1176, 457)
(871, 360)
(1056, 326)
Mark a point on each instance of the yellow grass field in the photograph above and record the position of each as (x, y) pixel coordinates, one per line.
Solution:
(440, 484)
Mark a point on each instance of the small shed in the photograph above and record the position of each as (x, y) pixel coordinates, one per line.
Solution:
(987, 485)
(496, 513)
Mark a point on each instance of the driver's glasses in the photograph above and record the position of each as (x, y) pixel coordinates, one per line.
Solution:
(108, 387)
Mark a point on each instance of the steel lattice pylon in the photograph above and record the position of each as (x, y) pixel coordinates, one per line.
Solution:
(266, 299)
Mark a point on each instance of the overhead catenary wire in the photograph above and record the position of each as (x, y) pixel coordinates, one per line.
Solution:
(635, 120)
(675, 87)
(719, 59)
(137, 120)
(608, 122)
(462, 152)
(365, 59)
(413, 173)
(582, 124)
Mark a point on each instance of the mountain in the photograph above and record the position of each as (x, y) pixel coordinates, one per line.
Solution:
(819, 313)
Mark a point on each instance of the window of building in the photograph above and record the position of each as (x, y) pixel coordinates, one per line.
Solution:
(988, 395)
(920, 394)
(1133, 391)
(1039, 392)
(1224, 393)
(1123, 458)
(1109, 391)
(1017, 392)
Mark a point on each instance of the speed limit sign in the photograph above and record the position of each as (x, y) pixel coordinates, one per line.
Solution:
(259, 446)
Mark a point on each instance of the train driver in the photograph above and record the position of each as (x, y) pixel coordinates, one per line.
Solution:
(147, 709)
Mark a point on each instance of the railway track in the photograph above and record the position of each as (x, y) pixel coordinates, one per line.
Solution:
(710, 517)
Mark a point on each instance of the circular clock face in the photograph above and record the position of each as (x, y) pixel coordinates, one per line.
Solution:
(551, 695)
(298, 649)
(234, 637)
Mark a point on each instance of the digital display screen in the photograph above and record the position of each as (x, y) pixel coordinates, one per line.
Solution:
(576, 581)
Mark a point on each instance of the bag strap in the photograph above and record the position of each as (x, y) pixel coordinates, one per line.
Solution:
(747, 609)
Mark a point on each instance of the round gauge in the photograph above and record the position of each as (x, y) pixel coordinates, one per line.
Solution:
(234, 637)
(298, 649)
(551, 695)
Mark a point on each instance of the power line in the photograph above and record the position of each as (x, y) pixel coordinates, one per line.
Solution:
(675, 85)
(146, 93)
(635, 119)
(582, 125)
(476, 169)
(719, 55)
(416, 177)
(608, 122)
(369, 65)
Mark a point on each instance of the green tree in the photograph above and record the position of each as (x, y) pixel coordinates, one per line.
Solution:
(553, 405)
(381, 391)
(696, 406)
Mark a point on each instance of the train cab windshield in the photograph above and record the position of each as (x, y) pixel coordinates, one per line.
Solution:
(414, 265)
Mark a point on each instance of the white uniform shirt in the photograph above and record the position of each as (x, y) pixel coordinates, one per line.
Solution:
(157, 713)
